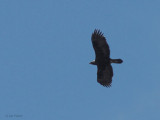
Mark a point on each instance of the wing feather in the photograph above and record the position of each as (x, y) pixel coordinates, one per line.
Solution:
(104, 75)
(100, 45)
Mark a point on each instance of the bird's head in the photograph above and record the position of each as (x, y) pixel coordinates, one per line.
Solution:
(93, 62)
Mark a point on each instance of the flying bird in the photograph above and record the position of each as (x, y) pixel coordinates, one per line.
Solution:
(102, 58)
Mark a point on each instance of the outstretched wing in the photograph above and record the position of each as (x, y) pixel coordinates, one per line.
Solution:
(104, 75)
(100, 45)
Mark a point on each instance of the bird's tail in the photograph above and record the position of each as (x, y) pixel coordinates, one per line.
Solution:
(116, 61)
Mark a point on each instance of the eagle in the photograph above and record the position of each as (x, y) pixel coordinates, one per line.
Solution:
(102, 58)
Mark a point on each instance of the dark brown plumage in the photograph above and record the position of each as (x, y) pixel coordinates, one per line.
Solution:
(103, 60)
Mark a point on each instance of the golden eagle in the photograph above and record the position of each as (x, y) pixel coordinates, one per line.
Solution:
(103, 60)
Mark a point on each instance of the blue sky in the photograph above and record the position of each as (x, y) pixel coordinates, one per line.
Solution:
(45, 49)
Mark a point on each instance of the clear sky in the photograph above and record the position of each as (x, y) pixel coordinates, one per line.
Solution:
(45, 50)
